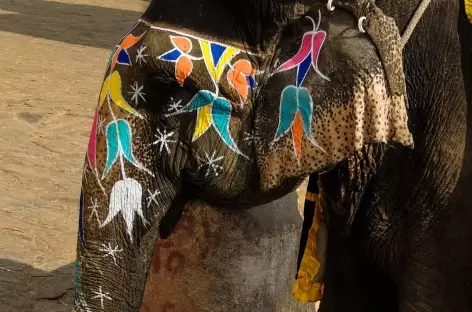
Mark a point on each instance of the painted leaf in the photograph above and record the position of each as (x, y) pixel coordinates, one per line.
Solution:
(303, 52)
(171, 56)
(112, 147)
(183, 69)
(114, 90)
(221, 116)
(318, 40)
(182, 43)
(114, 59)
(203, 122)
(104, 91)
(216, 57)
(238, 81)
(303, 69)
(130, 41)
(297, 134)
(245, 67)
(200, 99)
(125, 140)
(305, 108)
(288, 109)
(126, 197)
(123, 58)
(92, 145)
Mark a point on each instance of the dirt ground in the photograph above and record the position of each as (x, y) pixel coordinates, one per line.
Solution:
(53, 56)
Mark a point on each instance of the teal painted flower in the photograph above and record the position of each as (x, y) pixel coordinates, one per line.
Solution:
(296, 110)
(211, 111)
(119, 144)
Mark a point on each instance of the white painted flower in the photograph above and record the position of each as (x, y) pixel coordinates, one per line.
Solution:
(126, 197)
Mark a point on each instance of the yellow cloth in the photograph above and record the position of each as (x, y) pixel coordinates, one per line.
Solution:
(305, 288)
(468, 9)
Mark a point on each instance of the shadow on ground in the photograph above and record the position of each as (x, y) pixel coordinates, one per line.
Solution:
(26, 289)
(70, 23)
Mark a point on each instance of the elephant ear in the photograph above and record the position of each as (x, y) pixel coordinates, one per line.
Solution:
(343, 103)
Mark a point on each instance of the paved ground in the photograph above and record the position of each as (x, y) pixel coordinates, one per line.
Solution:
(53, 54)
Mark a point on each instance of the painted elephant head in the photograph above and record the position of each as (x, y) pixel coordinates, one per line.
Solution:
(182, 115)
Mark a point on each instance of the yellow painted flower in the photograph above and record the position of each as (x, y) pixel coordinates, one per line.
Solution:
(112, 88)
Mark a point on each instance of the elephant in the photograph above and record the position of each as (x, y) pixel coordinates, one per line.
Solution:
(211, 114)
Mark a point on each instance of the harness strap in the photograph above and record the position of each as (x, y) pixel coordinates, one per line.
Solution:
(414, 21)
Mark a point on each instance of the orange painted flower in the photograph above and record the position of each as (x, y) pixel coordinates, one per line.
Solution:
(241, 78)
(179, 55)
(121, 56)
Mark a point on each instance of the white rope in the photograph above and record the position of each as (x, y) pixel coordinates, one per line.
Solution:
(414, 21)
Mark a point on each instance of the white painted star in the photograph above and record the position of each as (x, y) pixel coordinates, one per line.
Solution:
(94, 206)
(101, 295)
(101, 124)
(152, 197)
(175, 106)
(140, 56)
(137, 93)
(163, 140)
(211, 163)
(111, 252)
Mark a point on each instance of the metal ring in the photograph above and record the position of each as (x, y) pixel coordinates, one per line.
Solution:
(359, 24)
(330, 5)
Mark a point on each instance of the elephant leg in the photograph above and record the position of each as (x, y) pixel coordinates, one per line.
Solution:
(121, 208)
(352, 283)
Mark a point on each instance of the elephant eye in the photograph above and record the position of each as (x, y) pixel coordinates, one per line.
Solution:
(349, 32)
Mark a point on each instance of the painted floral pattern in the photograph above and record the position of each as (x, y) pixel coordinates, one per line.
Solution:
(127, 197)
(296, 104)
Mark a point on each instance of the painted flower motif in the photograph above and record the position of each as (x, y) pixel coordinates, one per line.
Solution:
(126, 197)
(120, 54)
(216, 57)
(308, 53)
(180, 56)
(211, 111)
(119, 144)
(241, 77)
(296, 109)
(112, 88)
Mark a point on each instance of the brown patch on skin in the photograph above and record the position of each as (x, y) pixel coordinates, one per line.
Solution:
(168, 307)
(180, 252)
(210, 268)
(187, 224)
(165, 243)
(175, 262)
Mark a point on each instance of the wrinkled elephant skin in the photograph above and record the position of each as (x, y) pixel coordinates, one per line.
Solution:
(212, 110)
(225, 260)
